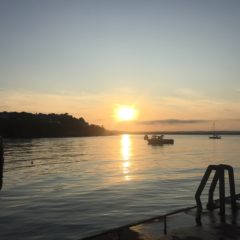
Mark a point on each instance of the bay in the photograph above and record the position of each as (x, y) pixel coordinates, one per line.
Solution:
(70, 188)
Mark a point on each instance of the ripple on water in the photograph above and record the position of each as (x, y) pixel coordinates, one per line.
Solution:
(68, 188)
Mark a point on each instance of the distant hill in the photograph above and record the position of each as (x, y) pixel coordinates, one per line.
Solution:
(221, 132)
(29, 125)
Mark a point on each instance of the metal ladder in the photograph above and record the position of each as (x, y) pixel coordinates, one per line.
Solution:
(218, 176)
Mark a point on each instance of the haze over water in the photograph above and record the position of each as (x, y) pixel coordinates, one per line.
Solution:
(68, 188)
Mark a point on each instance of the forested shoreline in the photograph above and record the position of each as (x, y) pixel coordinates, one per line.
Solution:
(39, 125)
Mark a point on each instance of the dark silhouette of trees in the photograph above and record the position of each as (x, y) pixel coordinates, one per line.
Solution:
(28, 125)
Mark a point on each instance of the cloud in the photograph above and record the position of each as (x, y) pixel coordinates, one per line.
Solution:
(234, 120)
(43, 102)
(172, 121)
(184, 121)
(189, 93)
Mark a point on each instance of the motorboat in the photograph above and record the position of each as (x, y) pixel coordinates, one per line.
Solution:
(158, 140)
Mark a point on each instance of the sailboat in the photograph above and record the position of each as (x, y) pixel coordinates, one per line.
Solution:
(214, 135)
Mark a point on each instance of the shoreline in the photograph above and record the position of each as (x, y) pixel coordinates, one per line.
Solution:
(226, 133)
(181, 132)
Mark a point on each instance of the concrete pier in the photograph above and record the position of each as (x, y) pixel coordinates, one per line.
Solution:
(181, 225)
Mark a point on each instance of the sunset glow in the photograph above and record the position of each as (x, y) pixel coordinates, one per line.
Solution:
(126, 155)
(126, 113)
(126, 65)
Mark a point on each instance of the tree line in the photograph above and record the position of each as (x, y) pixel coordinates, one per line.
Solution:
(29, 125)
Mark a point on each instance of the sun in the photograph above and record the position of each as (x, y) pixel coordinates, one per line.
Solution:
(126, 113)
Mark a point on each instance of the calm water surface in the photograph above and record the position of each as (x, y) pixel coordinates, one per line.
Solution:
(69, 188)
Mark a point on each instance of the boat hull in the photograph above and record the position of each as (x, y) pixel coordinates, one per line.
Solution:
(215, 137)
(160, 141)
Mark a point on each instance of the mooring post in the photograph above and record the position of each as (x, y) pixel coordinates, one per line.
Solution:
(165, 224)
(1, 162)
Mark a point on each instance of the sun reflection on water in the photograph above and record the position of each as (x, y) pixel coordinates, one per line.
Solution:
(126, 155)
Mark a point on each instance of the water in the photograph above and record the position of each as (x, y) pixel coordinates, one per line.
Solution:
(69, 188)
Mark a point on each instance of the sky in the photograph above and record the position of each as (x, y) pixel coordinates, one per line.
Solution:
(176, 61)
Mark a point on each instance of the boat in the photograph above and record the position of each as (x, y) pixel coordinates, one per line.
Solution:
(214, 134)
(145, 137)
(158, 140)
(215, 137)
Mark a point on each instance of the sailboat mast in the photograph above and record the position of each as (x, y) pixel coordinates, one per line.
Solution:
(214, 135)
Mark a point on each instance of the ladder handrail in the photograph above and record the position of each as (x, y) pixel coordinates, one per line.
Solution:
(218, 176)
